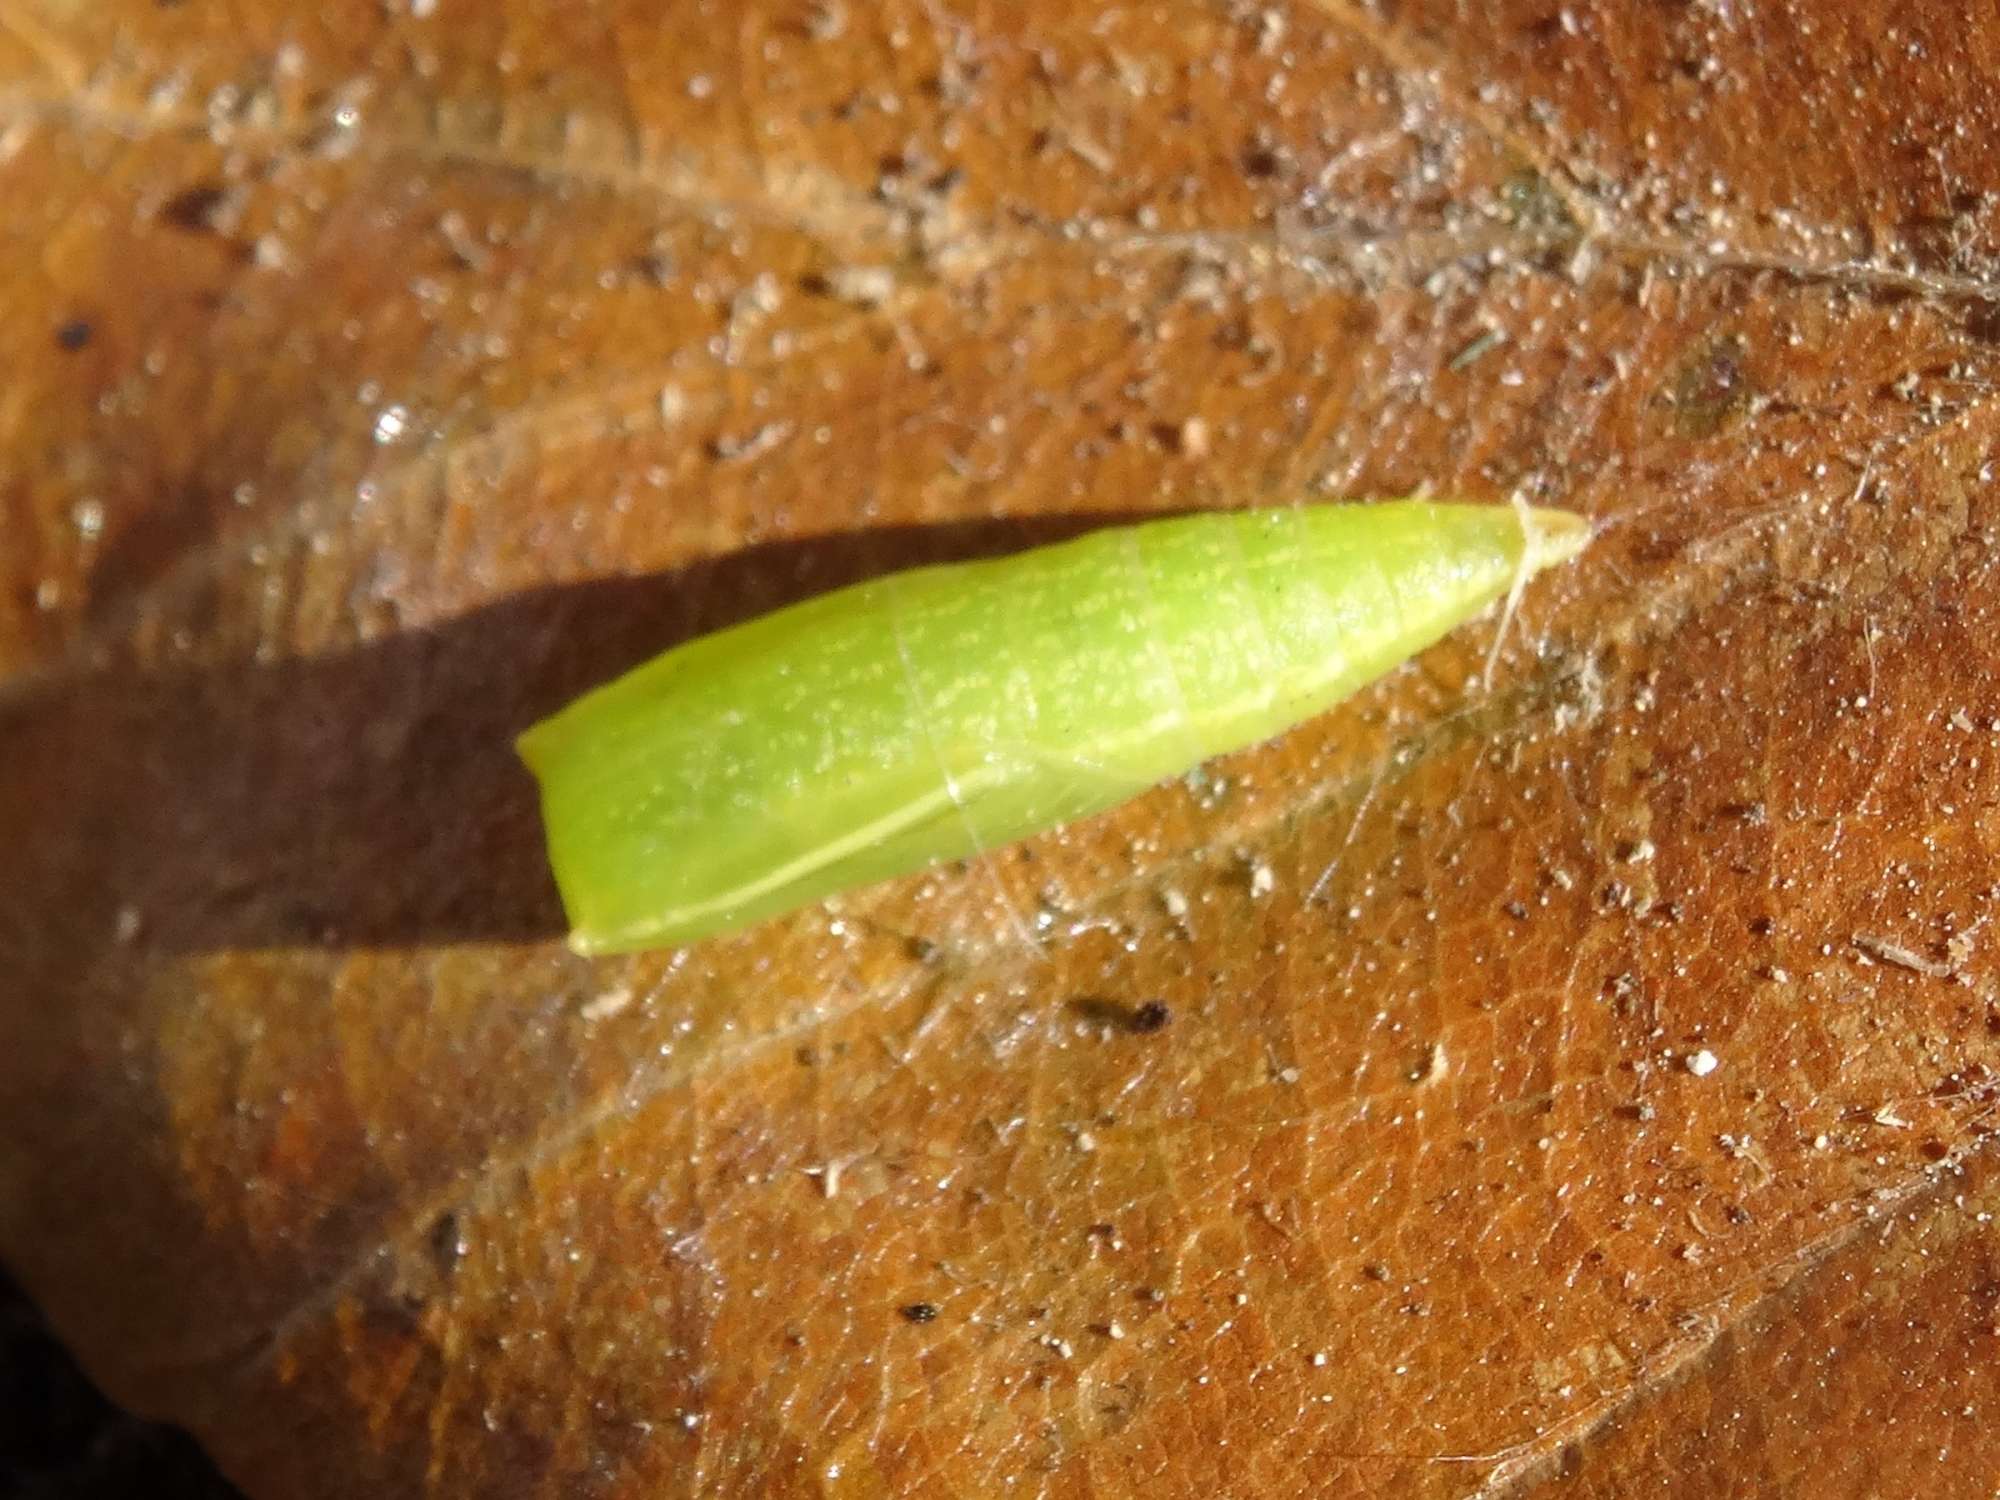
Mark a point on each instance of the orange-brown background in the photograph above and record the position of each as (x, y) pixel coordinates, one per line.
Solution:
(377, 375)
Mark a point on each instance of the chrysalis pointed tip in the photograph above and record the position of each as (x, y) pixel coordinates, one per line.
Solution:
(1554, 536)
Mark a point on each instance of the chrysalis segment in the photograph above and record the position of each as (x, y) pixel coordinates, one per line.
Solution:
(929, 715)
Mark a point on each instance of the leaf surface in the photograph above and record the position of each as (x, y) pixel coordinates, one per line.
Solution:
(1570, 1074)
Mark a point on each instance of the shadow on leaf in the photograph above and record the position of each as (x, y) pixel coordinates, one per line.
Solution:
(370, 797)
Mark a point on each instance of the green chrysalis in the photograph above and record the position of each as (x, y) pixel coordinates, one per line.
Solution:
(929, 715)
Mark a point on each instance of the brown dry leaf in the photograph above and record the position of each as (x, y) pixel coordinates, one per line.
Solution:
(1583, 1076)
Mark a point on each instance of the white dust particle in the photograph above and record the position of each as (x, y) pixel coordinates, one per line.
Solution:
(1703, 1063)
(607, 1004)
(829, 1178)
(864, 286)
(1882, 950)
(391, 423)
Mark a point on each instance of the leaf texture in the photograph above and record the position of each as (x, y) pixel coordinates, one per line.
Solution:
(1575, 1075)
